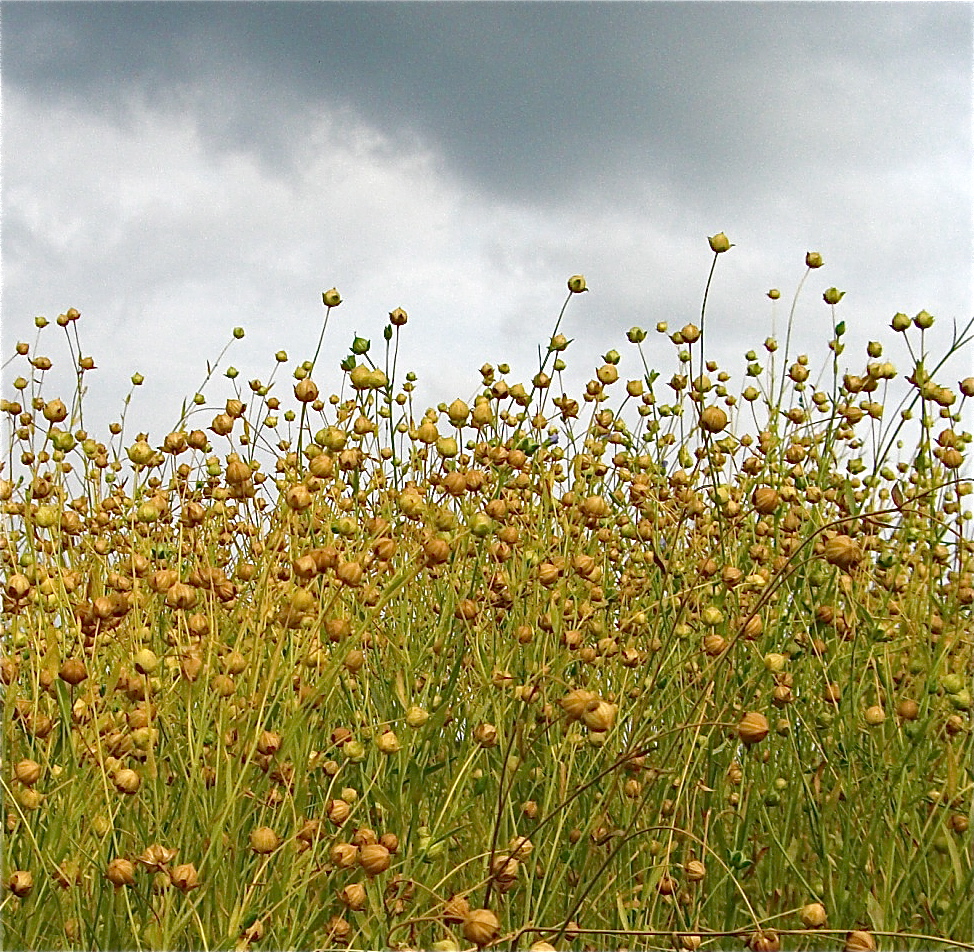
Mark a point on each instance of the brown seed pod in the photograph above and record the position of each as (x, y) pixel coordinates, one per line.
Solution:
(599, 718)
(456, 910)
(388, 742)
(764, 940)
(908, 710)
(73, 671)
(343, 855)
(120, 872)
(20, 882)
(504, 868)
(859, 941)
(185, 877)
(338, 811)
(753, 728)
(263, 840)
(306, 391)
(156, 856)
(338, 930)
(481, 926)
(127, 781)
(485, 735)
(713, 419)
(843, 552)
(28, 772)
(813, 915)
(353, 896)
(765, 500)
(269, 743)
(577, 702)
(374, 859)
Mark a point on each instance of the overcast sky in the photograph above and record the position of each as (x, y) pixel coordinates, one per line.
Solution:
(174, 170)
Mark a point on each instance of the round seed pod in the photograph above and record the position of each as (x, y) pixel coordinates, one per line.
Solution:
(765, 500)
(343, 855)
(600, 718)
(306, 391)
(120, 872)
(127, 781)
(20, 882)
(28, 772)
(842, 552)
(764, 940)
(263, 840)
(388, 742)
(73, 671)
(695, 871)
(481, 927)
(185, 877)
(813, 915)
(353, 896)
(714, 644)
(908, 710)
(485, 735)
(577, 702)
(874, 715)
(269, 743)
(374, 859)
(338, 930)
(713, 419)
(504, 868)
(859, 941)
(156, 856)
(456, 910)
(753, 728)
(338, 811)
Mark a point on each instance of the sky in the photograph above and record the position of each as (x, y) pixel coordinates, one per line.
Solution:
(175, 170)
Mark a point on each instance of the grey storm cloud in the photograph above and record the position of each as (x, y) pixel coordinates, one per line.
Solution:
(561, 100)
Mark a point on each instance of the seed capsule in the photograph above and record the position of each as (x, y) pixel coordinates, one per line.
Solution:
(765, 500)
(374, 859)
(185, 877)
(481, 926)
(263, 840)
(813, 915)
(578, 702)
(842, 552)
(20, 882)
(353, 896)
(28, 772)
(713, 419)
(120, 872)
(859, 941)
(753, 728)
(73, 671)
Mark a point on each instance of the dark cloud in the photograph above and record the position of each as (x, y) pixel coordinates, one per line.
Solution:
(536, 100)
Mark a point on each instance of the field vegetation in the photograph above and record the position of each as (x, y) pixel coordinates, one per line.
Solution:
(654, 666)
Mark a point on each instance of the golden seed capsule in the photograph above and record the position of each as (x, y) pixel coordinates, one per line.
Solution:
(263, 840)
(120, 872)
(374, 859)
(481, 926)
(753, 728)
(813, 915)
(859, 941)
